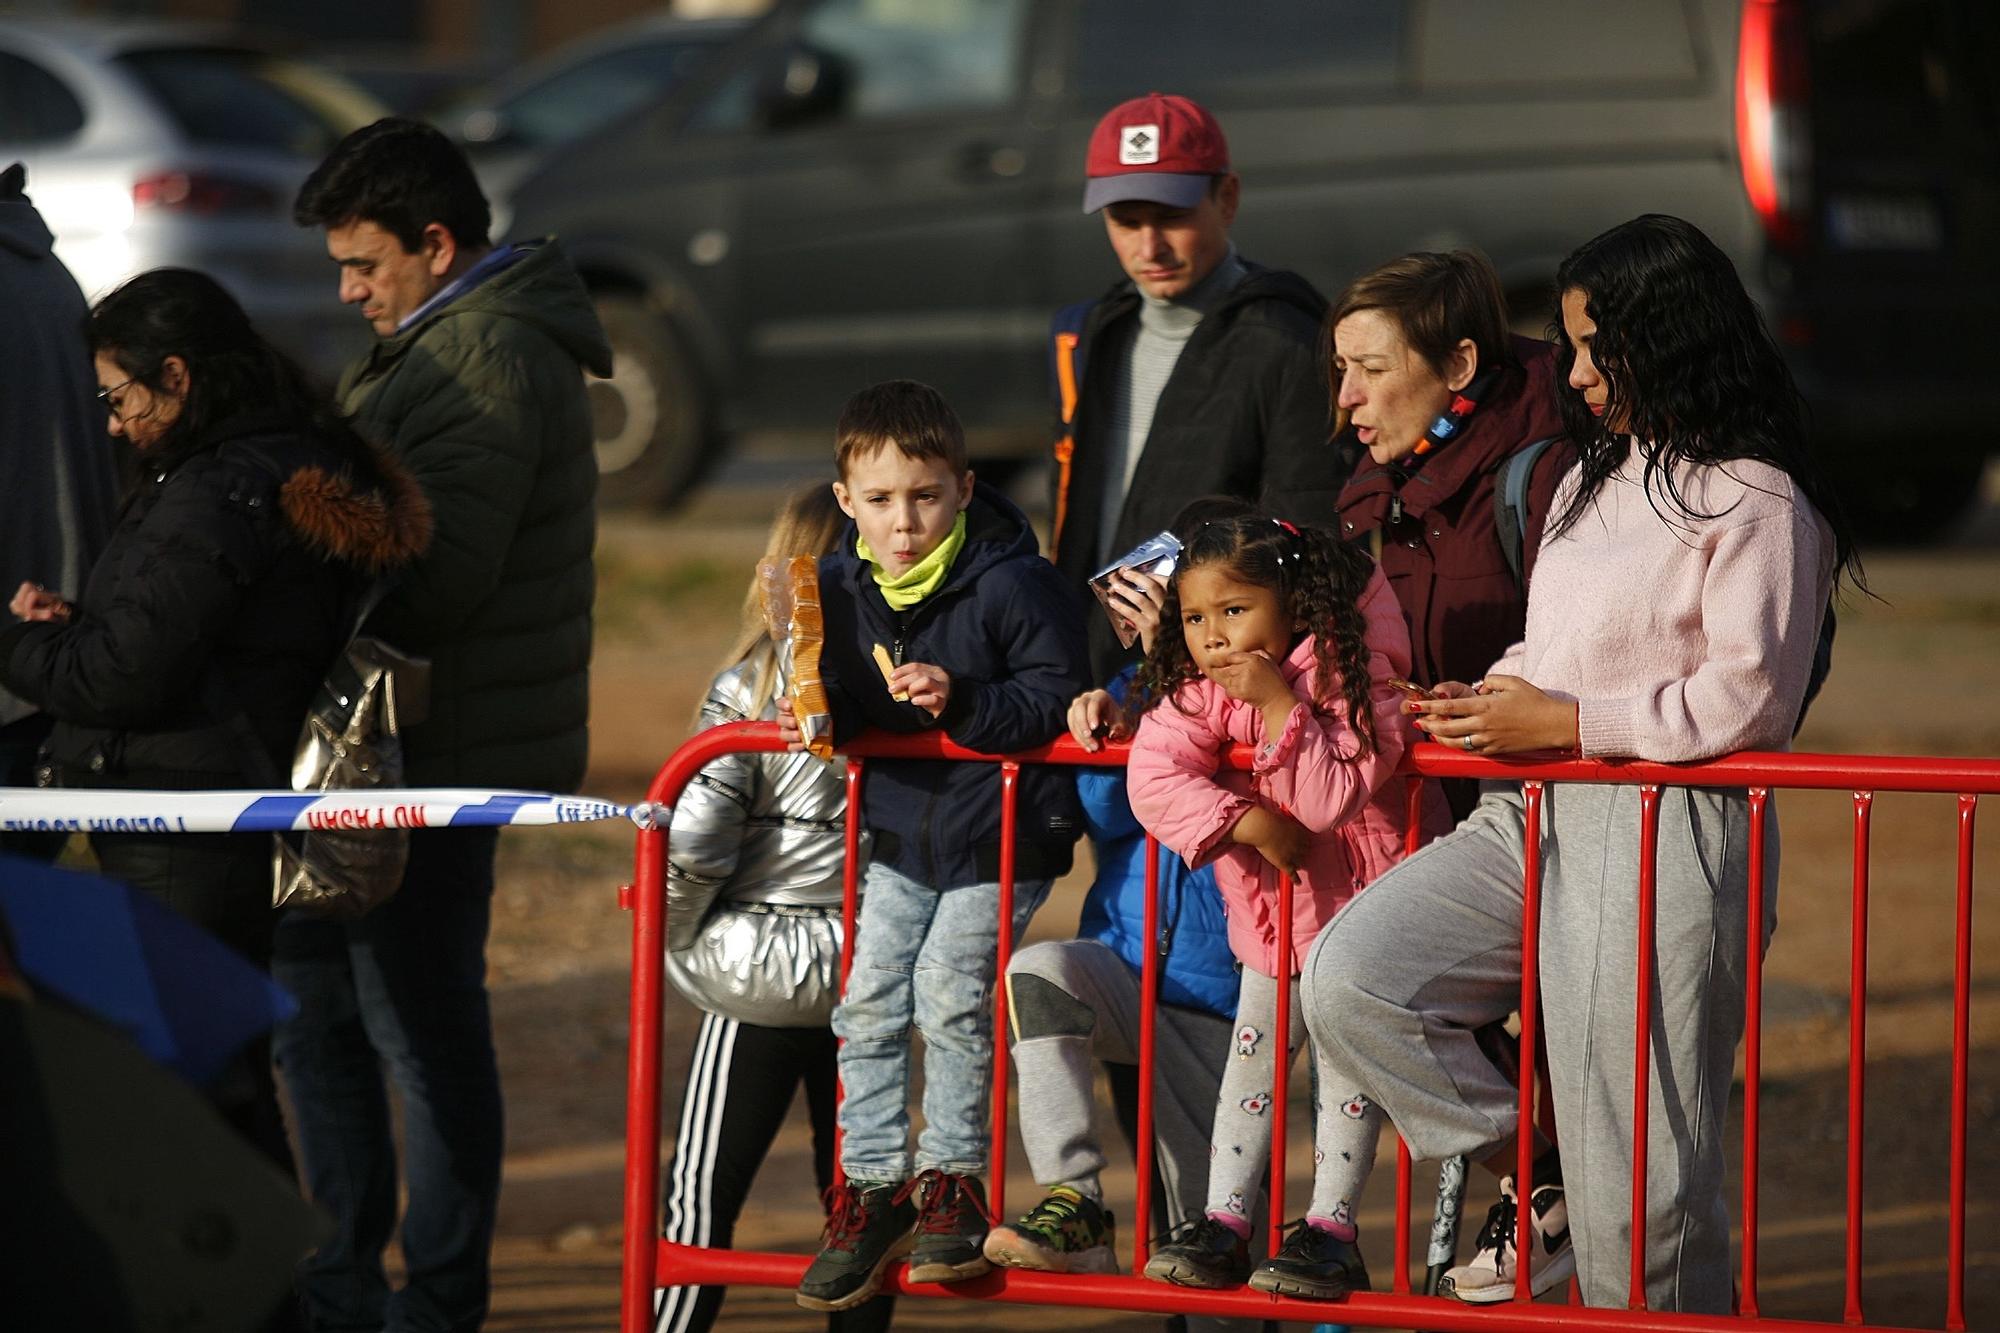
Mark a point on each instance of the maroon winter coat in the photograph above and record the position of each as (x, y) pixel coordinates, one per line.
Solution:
(1443, 555)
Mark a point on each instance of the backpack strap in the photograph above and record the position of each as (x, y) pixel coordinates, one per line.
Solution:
(1066, 361)
(1510, 503)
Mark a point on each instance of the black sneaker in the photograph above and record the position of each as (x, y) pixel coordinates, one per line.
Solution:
(951, 1228)
(868, 1227)
(1201, 1252)
(1313, 1263)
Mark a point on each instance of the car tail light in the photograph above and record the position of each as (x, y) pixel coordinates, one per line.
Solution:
(1772, 129)
(203, 192)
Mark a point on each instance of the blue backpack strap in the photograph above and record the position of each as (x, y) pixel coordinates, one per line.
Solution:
(1510, 502)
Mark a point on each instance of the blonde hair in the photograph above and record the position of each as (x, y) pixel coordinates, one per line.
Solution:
(810, 524)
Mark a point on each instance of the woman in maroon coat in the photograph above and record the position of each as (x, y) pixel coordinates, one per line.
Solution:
(1434, 397)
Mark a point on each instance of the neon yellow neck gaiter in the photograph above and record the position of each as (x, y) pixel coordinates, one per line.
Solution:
(903, 591)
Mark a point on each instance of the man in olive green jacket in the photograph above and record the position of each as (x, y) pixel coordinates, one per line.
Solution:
(477, 383)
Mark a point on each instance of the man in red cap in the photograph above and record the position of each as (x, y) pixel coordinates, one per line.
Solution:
(1199, 374)
(1204, 374)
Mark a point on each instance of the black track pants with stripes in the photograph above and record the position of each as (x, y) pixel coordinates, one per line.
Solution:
(739, 1088)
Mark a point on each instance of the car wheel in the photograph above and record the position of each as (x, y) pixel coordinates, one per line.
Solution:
(1904, 504)
(651, 418)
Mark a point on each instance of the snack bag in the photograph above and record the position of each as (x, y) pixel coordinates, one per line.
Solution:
(1158, 555)
(789, 594)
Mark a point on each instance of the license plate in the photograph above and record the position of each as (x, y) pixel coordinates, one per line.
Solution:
(1883, 222)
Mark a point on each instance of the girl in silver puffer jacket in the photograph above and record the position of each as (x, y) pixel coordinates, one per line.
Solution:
(754, 859)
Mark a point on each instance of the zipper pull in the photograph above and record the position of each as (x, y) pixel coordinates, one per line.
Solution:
(1395, 509)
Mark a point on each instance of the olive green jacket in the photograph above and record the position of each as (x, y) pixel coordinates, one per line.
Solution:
(483, 400)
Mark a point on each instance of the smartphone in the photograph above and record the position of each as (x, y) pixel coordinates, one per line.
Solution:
(1414, 691)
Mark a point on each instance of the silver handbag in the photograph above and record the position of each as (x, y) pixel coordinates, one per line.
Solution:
(352, 741)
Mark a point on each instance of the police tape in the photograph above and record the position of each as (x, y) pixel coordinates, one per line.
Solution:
(96, 810)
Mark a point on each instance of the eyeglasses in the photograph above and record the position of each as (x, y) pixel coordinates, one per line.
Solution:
(109, 397)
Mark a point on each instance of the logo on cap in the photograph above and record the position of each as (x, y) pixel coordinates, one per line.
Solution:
(1139, 146)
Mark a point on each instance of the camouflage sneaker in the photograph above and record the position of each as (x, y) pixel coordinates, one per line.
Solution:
(1064, 1233)
(951, 1228)
(868, 1227)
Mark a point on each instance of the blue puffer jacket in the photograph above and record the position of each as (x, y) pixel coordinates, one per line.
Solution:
(1011, 634)
(1198, 970)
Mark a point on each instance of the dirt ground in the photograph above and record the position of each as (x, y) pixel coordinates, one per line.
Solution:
(1906, 668)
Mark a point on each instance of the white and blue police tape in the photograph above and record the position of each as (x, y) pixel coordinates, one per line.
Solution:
(97, 810)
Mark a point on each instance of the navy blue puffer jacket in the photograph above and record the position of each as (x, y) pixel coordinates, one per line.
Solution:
(1010, 633)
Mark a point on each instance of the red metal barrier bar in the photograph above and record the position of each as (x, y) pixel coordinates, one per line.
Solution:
(1961, 1037)
(1753, 1047)
(1817, 772)
(1857, 1051)
(1413, 838)
(1642, 1059)
(850, 919)
(1281, 1082)
(1530, 1008)
(1094, 1292)
(646, 899)
(642, 1067)
(1010, 786)
(1149, 1006)
(642, 1080)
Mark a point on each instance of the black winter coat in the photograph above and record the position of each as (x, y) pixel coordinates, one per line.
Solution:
(1245, 413)
(1011, 636)
(228, 584)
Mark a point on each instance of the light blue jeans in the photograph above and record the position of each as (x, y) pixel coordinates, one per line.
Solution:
(925, 957)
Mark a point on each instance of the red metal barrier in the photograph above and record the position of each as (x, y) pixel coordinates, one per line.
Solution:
(650, 1262)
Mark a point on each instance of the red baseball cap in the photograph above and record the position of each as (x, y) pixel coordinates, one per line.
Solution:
(1158, 148)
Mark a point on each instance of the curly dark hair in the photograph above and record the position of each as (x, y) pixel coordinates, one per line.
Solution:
(1319, 580)
(1692, 373)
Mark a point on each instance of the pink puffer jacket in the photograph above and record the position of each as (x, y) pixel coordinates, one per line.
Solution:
(1316, 773)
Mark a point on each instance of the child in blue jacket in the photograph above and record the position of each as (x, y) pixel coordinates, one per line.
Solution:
(940, 615)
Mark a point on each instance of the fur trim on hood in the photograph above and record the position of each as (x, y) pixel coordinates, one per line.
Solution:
(377, 528)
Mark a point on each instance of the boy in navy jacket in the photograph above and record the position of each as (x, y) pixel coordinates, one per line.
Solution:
(979, 637)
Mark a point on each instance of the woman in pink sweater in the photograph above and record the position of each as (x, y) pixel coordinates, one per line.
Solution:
(1289, 637)
(1673, 616)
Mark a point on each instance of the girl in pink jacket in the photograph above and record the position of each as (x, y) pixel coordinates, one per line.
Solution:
(1289, 639)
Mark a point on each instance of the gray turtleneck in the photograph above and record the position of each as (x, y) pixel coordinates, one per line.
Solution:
(1140, 373)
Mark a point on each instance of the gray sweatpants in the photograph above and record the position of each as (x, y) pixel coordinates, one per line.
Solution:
(1396, 986)
(1074, 1002)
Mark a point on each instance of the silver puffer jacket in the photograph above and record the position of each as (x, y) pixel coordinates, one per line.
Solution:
(754, 857)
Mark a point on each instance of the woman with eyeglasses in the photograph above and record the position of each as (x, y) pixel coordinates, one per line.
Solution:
(227, 587)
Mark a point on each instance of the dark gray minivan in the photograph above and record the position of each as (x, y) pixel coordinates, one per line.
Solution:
(858, 189)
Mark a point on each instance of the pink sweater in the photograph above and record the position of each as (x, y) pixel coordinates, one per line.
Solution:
(1680, 639)
(1314, 772)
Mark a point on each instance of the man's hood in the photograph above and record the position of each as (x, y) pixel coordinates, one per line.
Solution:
(21, 227)
(540, 288)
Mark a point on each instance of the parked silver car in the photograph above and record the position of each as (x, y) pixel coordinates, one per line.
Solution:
(151, 144)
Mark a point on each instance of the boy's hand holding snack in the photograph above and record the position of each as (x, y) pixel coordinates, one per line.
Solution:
(1280, 839)
(926, 686)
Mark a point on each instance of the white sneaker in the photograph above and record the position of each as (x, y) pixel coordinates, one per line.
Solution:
(1489, 1278)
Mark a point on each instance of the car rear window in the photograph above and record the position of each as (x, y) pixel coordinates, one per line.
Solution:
(599, 90)
(245, 99)
(35, 107)
(1267, 48)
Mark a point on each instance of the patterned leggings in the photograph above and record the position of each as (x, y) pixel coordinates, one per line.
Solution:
(1344, 1130)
